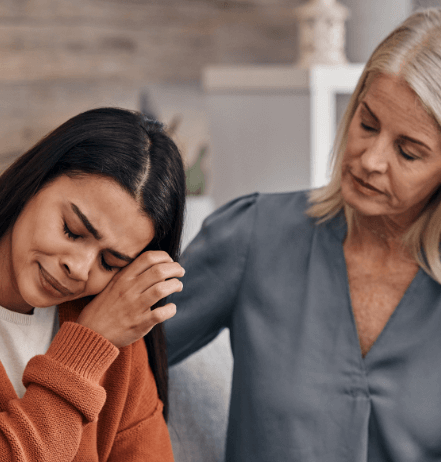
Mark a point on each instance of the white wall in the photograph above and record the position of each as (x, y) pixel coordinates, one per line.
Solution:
(260, 139)
(370, 22)
(260, 143)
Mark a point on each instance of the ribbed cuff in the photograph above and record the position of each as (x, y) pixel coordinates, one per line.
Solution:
(82, 350)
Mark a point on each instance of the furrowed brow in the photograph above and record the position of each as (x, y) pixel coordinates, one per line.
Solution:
(88, 225)
(120, 256)
(370, 111)
(96, 234)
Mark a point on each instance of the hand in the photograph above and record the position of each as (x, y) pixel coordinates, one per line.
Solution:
(122, 311)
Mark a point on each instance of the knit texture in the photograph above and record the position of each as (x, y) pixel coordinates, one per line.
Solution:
(85, 400)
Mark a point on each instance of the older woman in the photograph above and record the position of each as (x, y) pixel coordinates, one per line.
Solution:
(333, 297)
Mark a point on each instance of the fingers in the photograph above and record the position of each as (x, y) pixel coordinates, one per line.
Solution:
(149, 320)
(161, 290)
(148, 270)
(162, 313)
(155, 274)
(145, 261)
(122, 311)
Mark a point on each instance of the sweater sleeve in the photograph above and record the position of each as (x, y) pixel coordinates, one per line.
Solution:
(63, 394)
(142, 434)
(214, 264)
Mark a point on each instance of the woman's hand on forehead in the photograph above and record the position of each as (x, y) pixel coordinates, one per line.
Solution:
(122, 311)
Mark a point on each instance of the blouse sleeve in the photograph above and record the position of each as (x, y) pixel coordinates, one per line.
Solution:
(214, 264)
(63, 394)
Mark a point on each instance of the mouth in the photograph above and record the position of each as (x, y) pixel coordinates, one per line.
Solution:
(52, 285)
(360, 182)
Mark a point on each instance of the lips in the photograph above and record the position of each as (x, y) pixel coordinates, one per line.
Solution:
(364, 184)
(57, 287)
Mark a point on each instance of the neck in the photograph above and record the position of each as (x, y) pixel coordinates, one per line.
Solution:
(379, 233)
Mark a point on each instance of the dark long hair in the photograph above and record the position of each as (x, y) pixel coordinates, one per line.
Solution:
(128, 148)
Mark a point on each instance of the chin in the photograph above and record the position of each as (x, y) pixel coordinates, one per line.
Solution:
(32, 294)
(363, 205)
(366, 209)
(35, 300)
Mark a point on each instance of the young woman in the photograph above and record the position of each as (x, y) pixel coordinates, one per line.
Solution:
(90, 226)
(333, 297)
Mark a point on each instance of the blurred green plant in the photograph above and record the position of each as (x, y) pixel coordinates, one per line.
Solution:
(195, 176)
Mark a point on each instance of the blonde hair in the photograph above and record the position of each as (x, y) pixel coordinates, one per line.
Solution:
(413, 53)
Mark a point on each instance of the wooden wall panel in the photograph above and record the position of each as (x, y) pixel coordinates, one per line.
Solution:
(59, 57)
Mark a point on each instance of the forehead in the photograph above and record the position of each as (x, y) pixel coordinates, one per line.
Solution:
(391, 98)
(110, 209)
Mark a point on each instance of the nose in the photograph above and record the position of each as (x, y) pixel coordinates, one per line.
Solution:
(78, 264)
(375, 157)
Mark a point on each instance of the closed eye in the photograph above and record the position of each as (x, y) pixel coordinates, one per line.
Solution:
(69, 233)
(405, 155)
(74, 237)
(106, 266)
(367, 128)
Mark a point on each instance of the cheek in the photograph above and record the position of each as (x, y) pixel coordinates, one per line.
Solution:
(351, 151)
(345, 159)
(410, 191)
(345, 164)
(353, 148)
(41, 236)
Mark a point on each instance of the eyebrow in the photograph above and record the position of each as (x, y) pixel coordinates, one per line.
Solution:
(404, 137)
(95, 233)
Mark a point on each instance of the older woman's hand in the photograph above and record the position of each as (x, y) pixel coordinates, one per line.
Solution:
(122, 311)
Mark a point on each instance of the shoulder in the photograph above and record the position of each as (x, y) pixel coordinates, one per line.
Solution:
(234, 210)
(283, 214)
(293, 203)
(226, 229)
(247, 209)
(227, 234)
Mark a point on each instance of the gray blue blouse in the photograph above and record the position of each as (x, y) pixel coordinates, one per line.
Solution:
(301, 389)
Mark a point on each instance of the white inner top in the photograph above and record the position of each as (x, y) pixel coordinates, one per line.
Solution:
(23, 336)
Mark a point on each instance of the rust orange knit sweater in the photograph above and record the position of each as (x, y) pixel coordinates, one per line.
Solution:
(85, 401)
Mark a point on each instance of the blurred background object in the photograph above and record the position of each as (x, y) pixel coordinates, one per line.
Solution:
(59, 57)
(322, 32)
(272, 125)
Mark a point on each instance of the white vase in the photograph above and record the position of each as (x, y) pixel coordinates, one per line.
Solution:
(321, 32)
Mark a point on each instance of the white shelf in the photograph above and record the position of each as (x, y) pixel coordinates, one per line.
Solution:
(323, 84)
